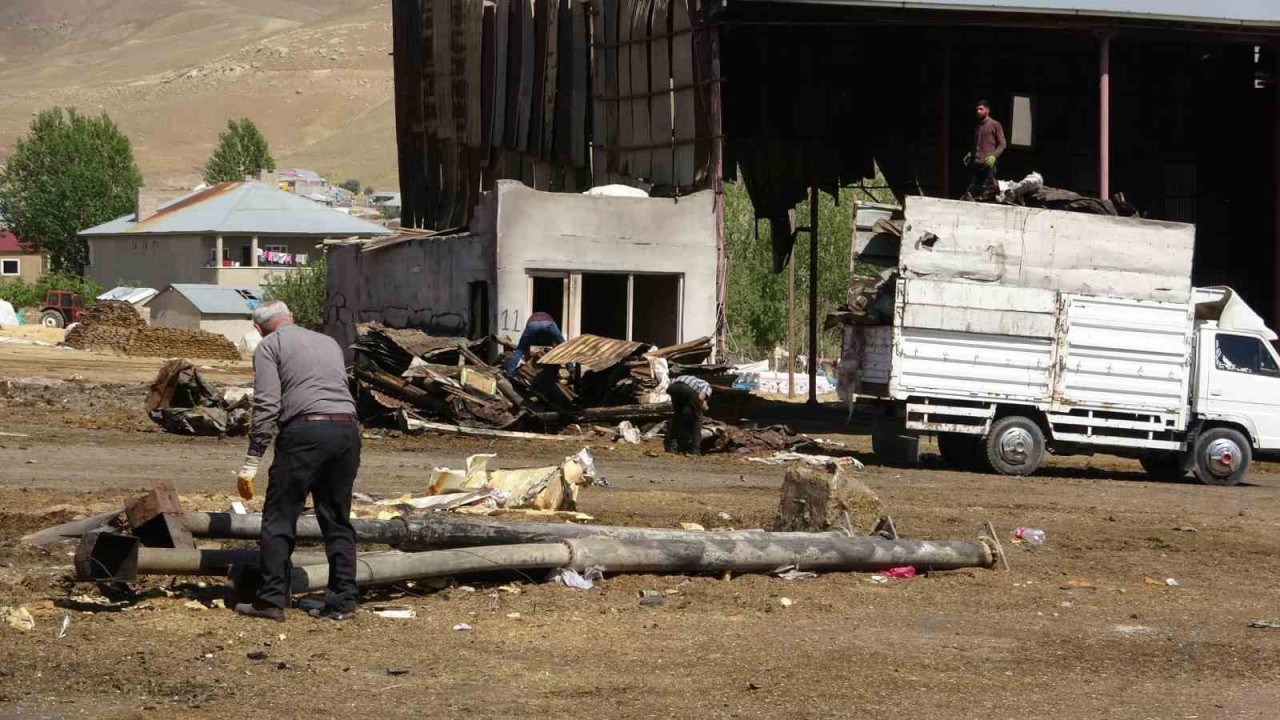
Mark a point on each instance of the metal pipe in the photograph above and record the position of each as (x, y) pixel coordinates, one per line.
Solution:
(813, 293)
(1104, 111)
(184, 561)
(381, 569)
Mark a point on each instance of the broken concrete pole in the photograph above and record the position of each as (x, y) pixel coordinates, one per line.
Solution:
(111, 557)
(385, 568)
(816, 499)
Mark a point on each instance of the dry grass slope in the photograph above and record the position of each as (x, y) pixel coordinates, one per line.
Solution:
(315, 75)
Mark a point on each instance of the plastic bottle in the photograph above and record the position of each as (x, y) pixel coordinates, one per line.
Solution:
(1030, 536)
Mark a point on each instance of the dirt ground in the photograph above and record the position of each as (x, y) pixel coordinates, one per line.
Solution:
(1082, 627)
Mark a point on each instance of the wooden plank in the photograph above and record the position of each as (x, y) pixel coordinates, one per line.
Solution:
(476, 12)
(578, 104)
(625, 121)
(660, 159)
(501, 71)
(427, 71)
(599, 163)
(561, 147)
(551, 79)
(704, 64)
(528, 69)
(610, 88)
(488, 74)
(685, 105)
(640, 11)
(442, 61)
(537, 98)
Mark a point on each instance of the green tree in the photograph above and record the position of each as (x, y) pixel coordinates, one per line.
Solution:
(756, 297)
(352, 186)
(303, 290)
(69, 173)
(368, 190)
(242, 150)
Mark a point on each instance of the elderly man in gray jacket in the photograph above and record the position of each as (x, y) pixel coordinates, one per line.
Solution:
(300, 388)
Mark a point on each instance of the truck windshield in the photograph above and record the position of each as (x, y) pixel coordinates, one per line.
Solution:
(1242, 353)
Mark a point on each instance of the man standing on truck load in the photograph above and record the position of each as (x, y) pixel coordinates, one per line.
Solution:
(540, 330)
(689, 396)
(300, 386)
(988, 145)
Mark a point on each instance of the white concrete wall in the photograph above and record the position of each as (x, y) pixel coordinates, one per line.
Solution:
(171, 309)
(581, 233)
(232, 327)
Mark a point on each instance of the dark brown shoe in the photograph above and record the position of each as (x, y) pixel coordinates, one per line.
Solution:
(258, 610)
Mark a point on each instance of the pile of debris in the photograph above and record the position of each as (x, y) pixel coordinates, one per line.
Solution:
(116, 326)
(814, 528)
(181, 402)
(414, 381)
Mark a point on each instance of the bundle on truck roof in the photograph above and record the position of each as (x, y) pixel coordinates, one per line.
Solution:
(1019, 331)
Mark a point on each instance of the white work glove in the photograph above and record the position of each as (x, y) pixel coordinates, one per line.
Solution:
(244, 480)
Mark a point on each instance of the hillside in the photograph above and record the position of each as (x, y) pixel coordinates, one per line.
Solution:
(315, 75)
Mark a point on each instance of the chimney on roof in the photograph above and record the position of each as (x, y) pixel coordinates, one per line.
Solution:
(148, 203)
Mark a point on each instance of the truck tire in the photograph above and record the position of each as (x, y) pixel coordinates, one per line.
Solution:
(52, 318)
(960, 451)
(1223, 456)
(1015, 446)
(1164, 467)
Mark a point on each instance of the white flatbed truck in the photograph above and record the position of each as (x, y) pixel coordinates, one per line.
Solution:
(1020, 332)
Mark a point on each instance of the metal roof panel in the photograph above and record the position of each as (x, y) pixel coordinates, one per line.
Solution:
(592, 352)
(220, 299)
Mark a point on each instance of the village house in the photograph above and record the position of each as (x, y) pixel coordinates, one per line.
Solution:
(17, 262)
(223, 309)
(634, 268)
(235, 233)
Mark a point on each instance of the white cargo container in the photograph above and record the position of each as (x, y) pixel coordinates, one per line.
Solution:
(1019, 332)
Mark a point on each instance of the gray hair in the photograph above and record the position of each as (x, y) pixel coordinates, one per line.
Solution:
(270, 314)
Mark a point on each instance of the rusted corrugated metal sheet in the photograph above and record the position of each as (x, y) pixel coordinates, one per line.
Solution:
(592, 352)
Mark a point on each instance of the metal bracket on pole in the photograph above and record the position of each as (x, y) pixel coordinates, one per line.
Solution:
(158, 519)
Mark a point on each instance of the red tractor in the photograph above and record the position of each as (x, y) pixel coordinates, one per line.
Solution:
(60, 309)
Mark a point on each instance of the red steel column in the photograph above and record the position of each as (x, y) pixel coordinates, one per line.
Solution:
(1104, 111)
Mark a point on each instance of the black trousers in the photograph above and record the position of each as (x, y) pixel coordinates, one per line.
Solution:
(320, 459)
(684, 432)
(982, 180)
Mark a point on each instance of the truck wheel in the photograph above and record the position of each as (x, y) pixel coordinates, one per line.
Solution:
(1015, 446)
(51, 318)
(1223, 456)
(1164, 467)
(960, 451)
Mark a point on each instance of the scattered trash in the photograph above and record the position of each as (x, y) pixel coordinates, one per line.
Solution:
(462, 627)
(1170, 582)
(628, 433)
(309, 604)
(652, 601)
(786, 602)
(394, 612)
(792, 572)
(195, 605)
(1186, 528)
(788, 457)
(238, 508)
(64, 626)
(1079, 585)
(695, 527)
(878, 579)
(572, 578)
(398, 672)
(257, 655)
(1132, 630)
(1266, 624)
(1030, 536)
(466, 589)
(901, 573)
(513, 616)
(509, 589)
(218, 604)
(724, 517)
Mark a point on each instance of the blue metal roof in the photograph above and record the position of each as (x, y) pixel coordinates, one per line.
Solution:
(221, 299)
(242, 208)
(1248, 13)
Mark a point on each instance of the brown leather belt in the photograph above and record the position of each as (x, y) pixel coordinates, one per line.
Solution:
(325, 417)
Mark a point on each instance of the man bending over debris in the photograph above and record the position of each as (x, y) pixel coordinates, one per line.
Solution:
(689, 396)
(300, 386)
(540, 330)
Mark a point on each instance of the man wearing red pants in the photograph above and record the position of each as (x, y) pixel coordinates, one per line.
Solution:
(300, 387)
